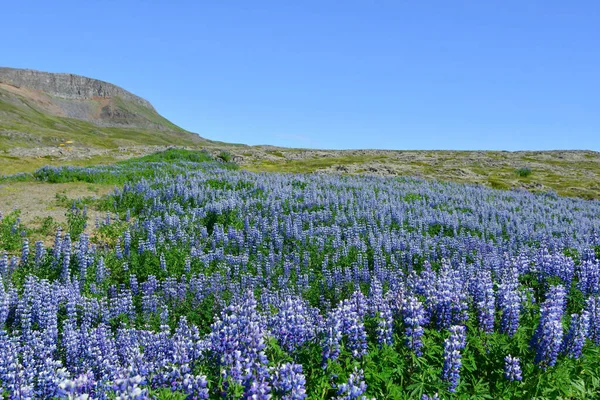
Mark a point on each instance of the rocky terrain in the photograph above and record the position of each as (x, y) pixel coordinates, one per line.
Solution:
(45, 110)
(67, 86)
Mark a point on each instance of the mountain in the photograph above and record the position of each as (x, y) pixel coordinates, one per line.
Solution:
(40, 109)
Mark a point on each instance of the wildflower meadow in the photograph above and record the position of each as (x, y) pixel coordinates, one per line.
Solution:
(204, 281)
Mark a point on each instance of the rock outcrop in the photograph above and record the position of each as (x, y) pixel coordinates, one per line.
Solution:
(42, 109)
(67, 86)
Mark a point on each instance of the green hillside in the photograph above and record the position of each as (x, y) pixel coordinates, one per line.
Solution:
(23, 123)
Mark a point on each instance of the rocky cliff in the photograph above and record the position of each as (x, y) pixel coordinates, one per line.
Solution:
(67, 86)
(39, 109)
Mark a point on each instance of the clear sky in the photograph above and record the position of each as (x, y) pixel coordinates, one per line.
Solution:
(335, 74)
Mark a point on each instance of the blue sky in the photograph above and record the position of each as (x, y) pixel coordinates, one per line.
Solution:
(336, 74)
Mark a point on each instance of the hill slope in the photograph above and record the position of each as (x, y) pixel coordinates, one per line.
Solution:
(39, 109)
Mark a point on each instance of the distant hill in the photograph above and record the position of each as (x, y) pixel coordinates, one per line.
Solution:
(39, 109)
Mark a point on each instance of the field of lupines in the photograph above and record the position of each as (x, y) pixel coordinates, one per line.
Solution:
(204, 281)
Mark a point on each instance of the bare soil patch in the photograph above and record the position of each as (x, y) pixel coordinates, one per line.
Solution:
(38, 200)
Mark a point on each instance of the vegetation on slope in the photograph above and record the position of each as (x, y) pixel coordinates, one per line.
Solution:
(24, 124)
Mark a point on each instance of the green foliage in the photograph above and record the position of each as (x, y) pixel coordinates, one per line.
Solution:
(20, 177)
(172, 156)
(11, 231)
(169, 163)
(523, 172)
(76, 221)
(225, 156)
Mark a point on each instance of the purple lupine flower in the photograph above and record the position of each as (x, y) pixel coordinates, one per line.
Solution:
(332, 337)
(66, 261)
(3, 264)
(83, 384)
(163, 262)
(588, 275)
(512, 368)
(484, 299)
(592, 307)
(100, 271)
(127, 243)
(294, 323)
(25, 251)
(129, 388)
(40, 252)
(414, 317)
(4, 305)
(548, 336)
(434, 397)
(133, 284)
(195, 386)
(188, 265)
(354, 328)
(452, 356)
(574, 341)
(289, 382)
(354, 388)
(238, 342)
(510, 304)
(385, 325)
(449, 299)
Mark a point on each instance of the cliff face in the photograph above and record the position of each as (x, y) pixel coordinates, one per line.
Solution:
(67, 86)
(40, 109)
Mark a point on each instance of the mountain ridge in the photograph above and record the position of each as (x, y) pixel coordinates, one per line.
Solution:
(44, 109)
(67, 85)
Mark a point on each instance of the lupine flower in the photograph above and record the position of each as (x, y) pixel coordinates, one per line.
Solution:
(3, 264)
(25, 251)
(100, 271)
(484, 299)
(129, 388)
(40, 252)
(414, 318)
(578, 331)
(452, 356)
(512, 368)
(332, 337)
(385, 325)
(548, 337)
(354, 388)
(289, 381)
(127, 243)
(592, 307)
(237, 340)
(510, 304)
(294, 323)
(79, 388)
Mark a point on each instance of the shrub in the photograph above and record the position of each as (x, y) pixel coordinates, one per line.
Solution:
(523, 172)
(225, 156)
